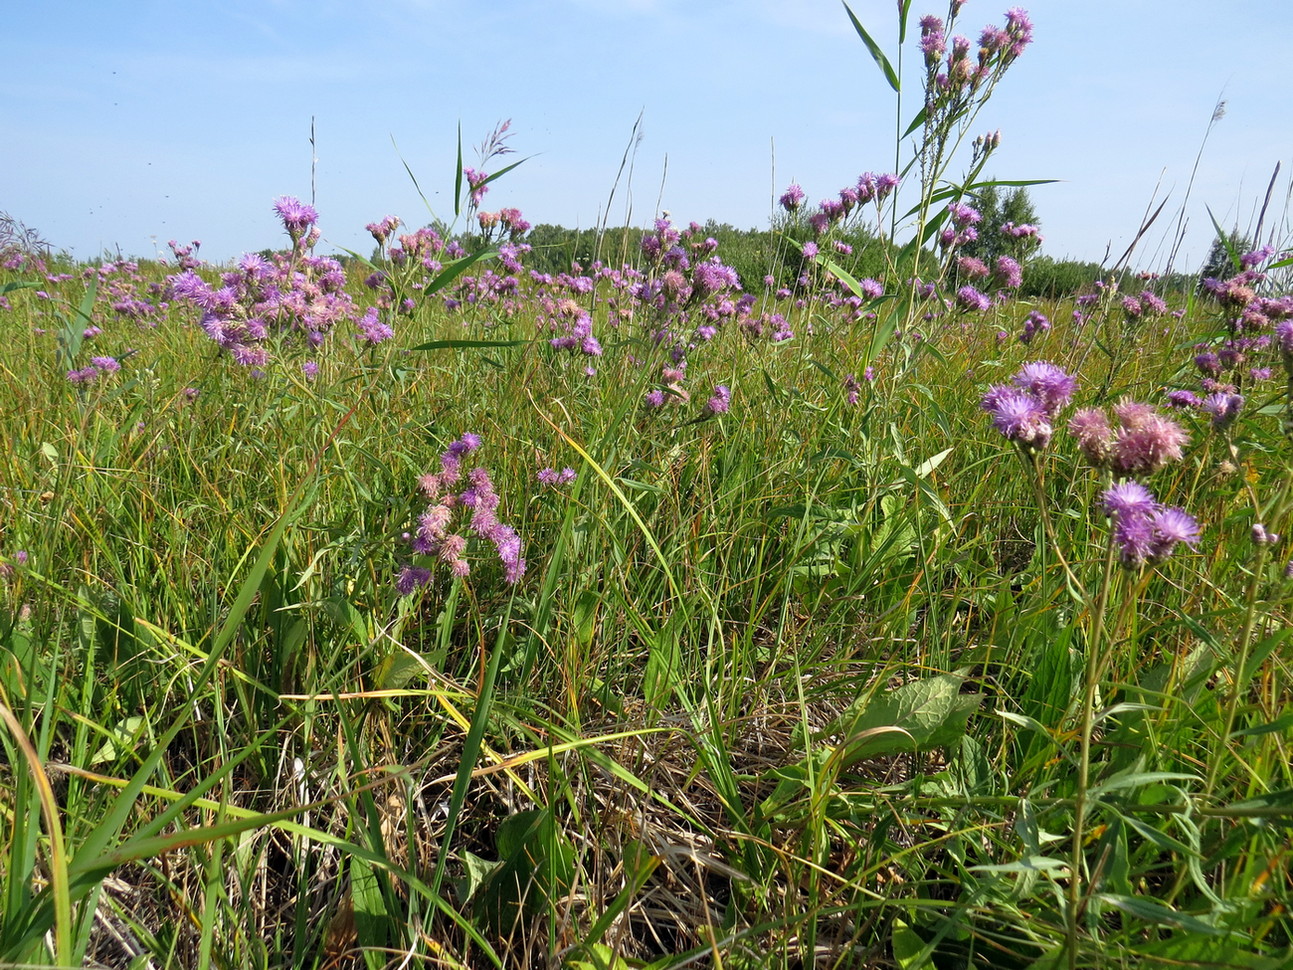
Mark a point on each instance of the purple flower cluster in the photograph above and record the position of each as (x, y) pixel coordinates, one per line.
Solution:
(261, 299)
(298, 218)
(719, 401)
(1025, 410)
(1143, 442)
(555, 479)
(437, 536)
(1034, 324)
(382, 229)
(1255, 325)
(97, 368)
(1144, 530)
(963, 219)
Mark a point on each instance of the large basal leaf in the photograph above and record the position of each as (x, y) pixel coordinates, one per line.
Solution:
(930, 713)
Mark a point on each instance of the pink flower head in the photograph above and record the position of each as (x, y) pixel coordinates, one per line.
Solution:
(297, 217)
(792, 198)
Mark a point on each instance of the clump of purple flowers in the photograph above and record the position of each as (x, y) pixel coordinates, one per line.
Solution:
(438, 535)
(1036, 323)
(97, 368)
(555, 479)
(293, 293)
(719, 401)
(1025, 410)
(1143, 442)
(1144, 530)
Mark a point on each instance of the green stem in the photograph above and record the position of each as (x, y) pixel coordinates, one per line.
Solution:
(1086, 714)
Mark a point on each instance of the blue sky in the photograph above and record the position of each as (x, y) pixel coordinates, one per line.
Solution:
(131, 122)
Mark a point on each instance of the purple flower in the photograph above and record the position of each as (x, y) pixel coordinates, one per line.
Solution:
(411, 578)
(1008, 273)
(963, 215)
(310, 369)
(1284, 338)
(1034, 324)
(1091, 428)
(720, 401)
(971, 299)
(1146, 441)
(810, 249)
(1048, 383)
(382, 229)
(792, 198)
(1143, 530)
(1224, 406)
(1133, 532)
(554, 479)
(109, 365)
(1172, 525)
(372, 329)
(1129, 498)
(296, 215)
(1019, 416)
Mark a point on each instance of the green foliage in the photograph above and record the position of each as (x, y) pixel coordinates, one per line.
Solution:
(1053, 279)
(1223, 256)
(997, 209)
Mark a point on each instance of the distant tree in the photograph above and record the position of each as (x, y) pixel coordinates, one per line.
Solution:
(1013, 208)
(1223, 257)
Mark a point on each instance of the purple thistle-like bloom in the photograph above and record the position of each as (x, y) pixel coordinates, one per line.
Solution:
(109, 365)
(1091, 428)
(720, 401)
(871, 287)
(963, 215)
(296, 215)
(411, 578)
(1284, 339)
(1034, 324)
(1224, 406)
(792, 198)
(382, 229)
(933, 42)
(372, 329)
(1146, 445)
(810, 249)
(1183, 399)
(1009, 273)
(1019, 416)
(968, 298)
(1129, 498)
(1134, 534)
(553, 478)
(1172, 526)
(465, 445)
(1048, 383)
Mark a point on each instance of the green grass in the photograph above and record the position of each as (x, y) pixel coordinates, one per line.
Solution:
(801, 682)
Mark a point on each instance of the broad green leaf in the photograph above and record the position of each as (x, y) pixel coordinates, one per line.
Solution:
(876, 53)
(926, 713)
